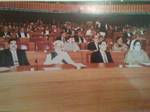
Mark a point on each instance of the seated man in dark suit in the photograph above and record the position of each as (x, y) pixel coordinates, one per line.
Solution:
(5, 33)
(102, 55)
(79, 38)
(13, 56)
(22, 33)
(93, 46)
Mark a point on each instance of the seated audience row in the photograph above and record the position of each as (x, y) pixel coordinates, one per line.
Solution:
(73, 33)
(16, 57)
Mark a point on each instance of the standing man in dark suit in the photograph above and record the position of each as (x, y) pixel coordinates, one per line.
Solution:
(13, 56)
(127, 36)
(102, 55)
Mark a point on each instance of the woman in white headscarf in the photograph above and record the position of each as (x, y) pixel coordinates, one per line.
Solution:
(136, 55)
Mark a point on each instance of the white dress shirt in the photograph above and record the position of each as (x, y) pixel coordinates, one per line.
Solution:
(129, 35)
(104, 56)
(96, 45)
(23, 35)
(80, 40)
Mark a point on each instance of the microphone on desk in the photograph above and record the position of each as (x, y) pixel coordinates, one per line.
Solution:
(36, 60)
(36, 50)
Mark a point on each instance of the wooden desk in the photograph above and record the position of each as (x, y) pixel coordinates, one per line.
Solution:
(99, 89)
(63, 67)
(38, 57)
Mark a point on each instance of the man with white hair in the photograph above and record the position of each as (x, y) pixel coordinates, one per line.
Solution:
(59, 56)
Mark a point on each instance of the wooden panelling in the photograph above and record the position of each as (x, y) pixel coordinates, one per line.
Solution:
(118, 57)
(38, 57)
(70, 7)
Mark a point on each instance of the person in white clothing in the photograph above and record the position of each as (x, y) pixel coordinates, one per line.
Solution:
(136, 55)
(59, 56)
(71, 45)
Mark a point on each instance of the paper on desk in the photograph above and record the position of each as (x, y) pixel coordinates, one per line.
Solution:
(3, 69)
(82, 65)
(52, 68)
(132, 66)
(146, 64)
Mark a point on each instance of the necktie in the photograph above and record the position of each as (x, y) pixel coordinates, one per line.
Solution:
(15, 58)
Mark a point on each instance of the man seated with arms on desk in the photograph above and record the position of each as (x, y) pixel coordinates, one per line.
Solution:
(102, 55)
(13, 56)
(59, 56)
(136, 55)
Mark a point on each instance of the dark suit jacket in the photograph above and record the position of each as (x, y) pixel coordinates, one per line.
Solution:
(125, 35)
(19, 34)
(96, 57)
(91, 46)
(77, 39)
(60, 38)
(103, 28)
(2, 34)
(7, 60)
